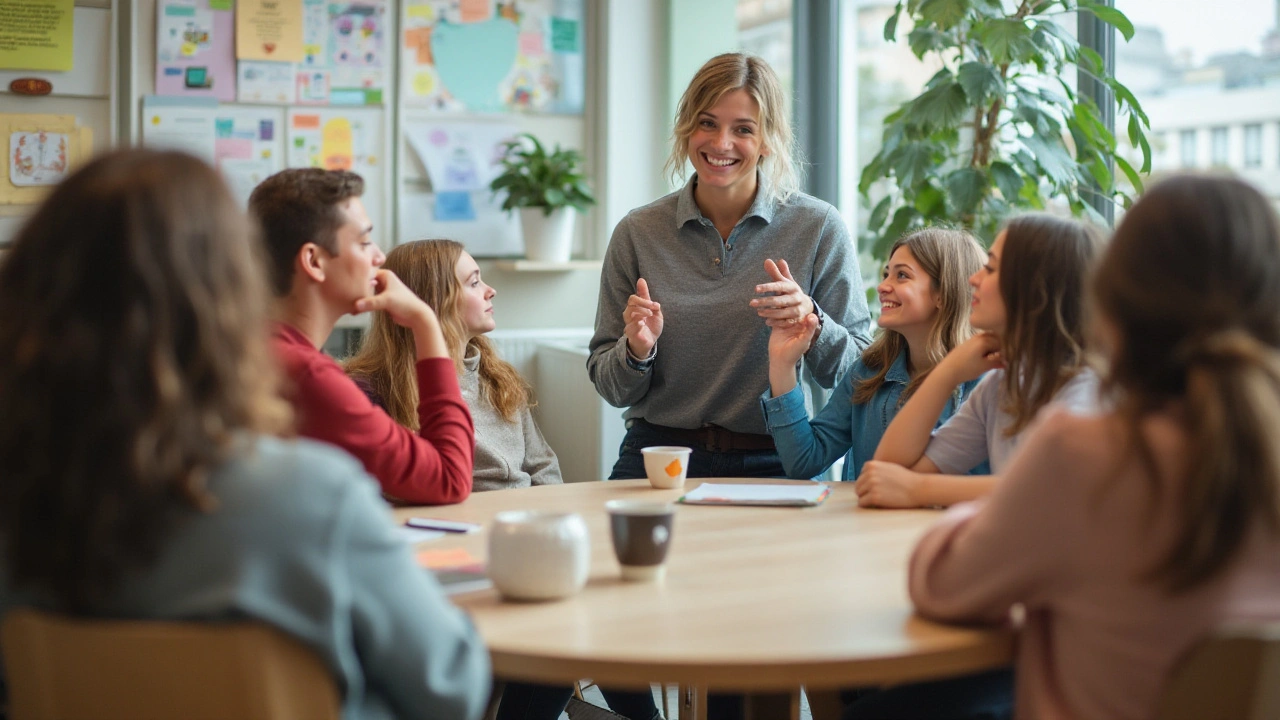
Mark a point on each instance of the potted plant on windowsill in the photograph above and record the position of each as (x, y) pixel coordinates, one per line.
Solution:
(544, 187)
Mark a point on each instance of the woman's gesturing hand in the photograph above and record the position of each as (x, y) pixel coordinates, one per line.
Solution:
(786, 303)
(643, 318)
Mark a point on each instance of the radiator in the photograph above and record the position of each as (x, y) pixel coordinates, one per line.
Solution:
(583, 429)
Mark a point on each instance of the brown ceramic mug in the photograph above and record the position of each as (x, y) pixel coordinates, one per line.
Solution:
(641, 532)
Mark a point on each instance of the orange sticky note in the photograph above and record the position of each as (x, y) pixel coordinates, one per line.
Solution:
(475, 10)
(439, 559)
(419, 39)
(305, 122)
(673, 469)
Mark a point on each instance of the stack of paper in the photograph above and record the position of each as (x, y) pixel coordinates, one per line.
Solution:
(794, 495)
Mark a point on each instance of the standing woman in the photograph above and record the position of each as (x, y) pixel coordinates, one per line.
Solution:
(679, 338)
(139, 404)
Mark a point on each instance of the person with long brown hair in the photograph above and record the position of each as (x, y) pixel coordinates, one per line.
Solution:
(1130, 534)
(510, 450)
(1028, 303)
(924, 314)
(143, 476)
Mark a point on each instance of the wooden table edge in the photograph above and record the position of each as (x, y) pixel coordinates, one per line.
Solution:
(994, 651)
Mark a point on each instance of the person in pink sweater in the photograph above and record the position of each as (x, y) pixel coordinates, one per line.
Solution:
(1129, 535)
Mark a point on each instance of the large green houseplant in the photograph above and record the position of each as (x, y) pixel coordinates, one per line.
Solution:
(1001, 126)
(543, 186)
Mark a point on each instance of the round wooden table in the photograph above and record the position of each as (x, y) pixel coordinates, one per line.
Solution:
(755, 598)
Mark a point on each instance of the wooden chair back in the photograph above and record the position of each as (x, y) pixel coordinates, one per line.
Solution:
(61, 668)
(1232, 675)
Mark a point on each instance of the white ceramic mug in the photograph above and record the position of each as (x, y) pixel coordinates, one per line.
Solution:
(538, 555)
(666, 465)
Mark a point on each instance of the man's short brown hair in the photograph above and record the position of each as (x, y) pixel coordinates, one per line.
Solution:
(299, 206)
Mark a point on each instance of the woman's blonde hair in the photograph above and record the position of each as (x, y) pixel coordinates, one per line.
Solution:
(721, 75)
(133, 353)
(1190, 286)
(948, 257)
(1046, 262)
(387, 358)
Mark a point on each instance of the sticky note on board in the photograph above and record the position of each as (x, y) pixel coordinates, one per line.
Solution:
(454, 206)
(564, 35)
(470, 11)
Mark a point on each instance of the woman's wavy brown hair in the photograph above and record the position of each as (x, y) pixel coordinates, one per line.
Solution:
(720, 76)
(387, 358)
(1190, 285)
(948, 257)
(133, 352)
(1046, 263)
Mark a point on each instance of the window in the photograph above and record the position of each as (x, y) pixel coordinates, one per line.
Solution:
(1218, 147)
(1253, 146)
(764, 29)
(1187, 138)
(1191, 67)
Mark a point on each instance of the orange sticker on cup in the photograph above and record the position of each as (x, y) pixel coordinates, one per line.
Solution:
(674, 469)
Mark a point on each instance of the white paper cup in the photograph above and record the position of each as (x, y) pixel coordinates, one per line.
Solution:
(666, 465)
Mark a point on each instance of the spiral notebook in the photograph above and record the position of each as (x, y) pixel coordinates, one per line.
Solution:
(790, 495)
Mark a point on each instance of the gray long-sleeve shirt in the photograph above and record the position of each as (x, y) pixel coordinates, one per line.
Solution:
(509, 453)
(712, 358)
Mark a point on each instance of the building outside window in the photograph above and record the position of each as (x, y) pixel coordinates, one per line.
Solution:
(1253, 145)
(1187, 141)
(1218, 147)
(1193, 68)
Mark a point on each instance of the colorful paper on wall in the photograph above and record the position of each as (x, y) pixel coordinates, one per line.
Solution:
(259, 81)
(460, 156)
(269, 30)
(248, 147)
(195, 50)
(184, 124)
(41, 151)
(345, 53)
(340, 139)
(36, 34)
(490, 56)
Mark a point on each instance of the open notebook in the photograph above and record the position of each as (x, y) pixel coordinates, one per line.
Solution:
(791, 495)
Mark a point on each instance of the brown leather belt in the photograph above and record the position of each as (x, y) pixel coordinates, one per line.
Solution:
(713, 438)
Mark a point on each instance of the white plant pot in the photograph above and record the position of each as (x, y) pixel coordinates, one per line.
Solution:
(547, 238)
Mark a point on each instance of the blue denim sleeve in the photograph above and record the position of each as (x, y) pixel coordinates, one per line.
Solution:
(807, 448)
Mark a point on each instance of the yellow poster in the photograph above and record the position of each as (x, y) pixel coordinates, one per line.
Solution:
(269, 30)
(36, 34)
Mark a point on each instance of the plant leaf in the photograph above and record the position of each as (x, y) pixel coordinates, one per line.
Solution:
(1052, 159)
(880, 213)
(905, 218)
(924, 39)
(1007, 39)
(891, 25)
(1008, 180)
(980, 81)
(1134, 178)
(930, 201)
(1123, 93)
(946, 14)
(1110, 16)
(1092, 61)
(966, 188)
(939, 107)
(1139, 139)
(913, 163)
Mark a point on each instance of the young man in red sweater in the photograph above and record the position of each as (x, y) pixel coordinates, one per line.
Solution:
(324, 265)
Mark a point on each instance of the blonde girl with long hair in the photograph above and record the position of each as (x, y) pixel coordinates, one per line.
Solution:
(924, 299)
(510, 450)
(1129, 535)
(1028, 303)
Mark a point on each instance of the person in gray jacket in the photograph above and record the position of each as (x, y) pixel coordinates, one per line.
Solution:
(693, 282)
(144, 476)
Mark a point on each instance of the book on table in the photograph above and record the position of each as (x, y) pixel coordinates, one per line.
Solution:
(789, 495)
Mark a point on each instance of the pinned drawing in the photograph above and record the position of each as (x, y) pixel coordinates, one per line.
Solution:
(37, 158)
(483, 56)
